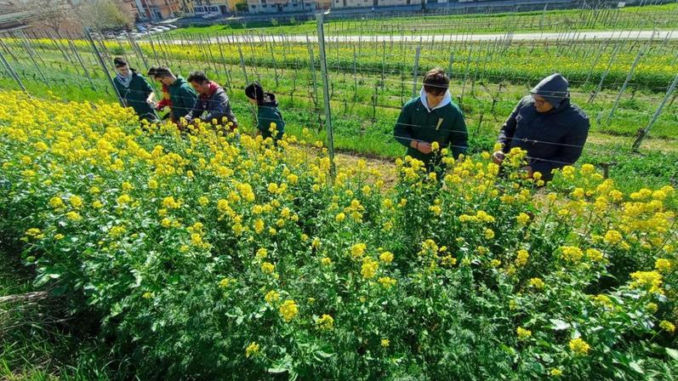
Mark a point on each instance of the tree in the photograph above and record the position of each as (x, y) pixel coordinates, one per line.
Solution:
(103, 15)
(50, 14)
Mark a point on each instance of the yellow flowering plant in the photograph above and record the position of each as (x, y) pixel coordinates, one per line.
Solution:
(204, 247)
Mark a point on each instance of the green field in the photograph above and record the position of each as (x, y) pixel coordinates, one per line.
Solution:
(174, 318)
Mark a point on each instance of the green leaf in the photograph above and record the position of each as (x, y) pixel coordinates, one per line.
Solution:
(672, 353)
(635, 366)
(559, 325)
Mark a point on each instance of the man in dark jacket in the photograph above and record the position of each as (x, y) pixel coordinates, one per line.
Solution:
(432, 117)
(134, 90)
(182, 96)
(552, 130)
(212, 105)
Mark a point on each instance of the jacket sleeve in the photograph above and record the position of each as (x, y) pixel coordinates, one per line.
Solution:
(509, 128)
(145, 86)
(569, 152)
(459, 136)
(195, 112)
(402, 132)
(217, 108)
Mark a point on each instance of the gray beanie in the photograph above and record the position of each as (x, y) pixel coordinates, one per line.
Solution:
(553, 88)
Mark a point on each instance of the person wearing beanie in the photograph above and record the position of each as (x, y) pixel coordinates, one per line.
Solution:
(134, 90)
(430, 118)
(548, 126)
(270, 122)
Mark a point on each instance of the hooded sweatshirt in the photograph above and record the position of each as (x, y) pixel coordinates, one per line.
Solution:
(183, 98)
(268, 113)
(213, 106)
(134, 90)
(552, 139)
(443, 124)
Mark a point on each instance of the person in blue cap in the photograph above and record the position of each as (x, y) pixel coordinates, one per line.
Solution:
(548, 126)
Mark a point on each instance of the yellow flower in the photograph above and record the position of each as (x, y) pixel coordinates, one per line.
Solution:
(369, 268)
(594, 255)
(555, 372)
(523, 333)
(495, 263)
(385, 343)
(449, 260)
(325, 323)
(262, 253)
(252, 350)
(571, 253)
(73, 216)
(56, 202)
(97, 204)
(489, 233)
(667, 326)
(326, 261)
(170, 203)
(435, 209)
(117, 231)
(358, 250)
(522, 258)
(271, 297)
(224, 283)
(387, 282)
(59, 237)
(537, 283)
(612, 237)
(650, 280)
(124, 199)
(435, 146)
(152, 184)
(289, 310)
(523, 219)
(603, 300)
(76, 202)
(386, 257)
(663, 265)
(340, 217)
(579, 347)
(259, 226)
(652, 307)
(267, 267)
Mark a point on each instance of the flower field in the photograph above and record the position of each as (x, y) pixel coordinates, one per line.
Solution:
(213, 256)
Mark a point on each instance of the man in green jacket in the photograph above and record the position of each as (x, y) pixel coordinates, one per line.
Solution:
(134, 90)
(182, 96)
(432, 117)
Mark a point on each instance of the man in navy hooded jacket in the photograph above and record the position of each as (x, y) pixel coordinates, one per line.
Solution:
(552, 130)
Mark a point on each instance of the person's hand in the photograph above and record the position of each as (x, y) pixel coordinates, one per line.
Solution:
(498, 157)
(424, 148)
(528, 171)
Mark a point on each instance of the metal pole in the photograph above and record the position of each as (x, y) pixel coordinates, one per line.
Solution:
(416, 70)
(626, 82)
(103, 66)
(12, 72)
(643, 133)
(326, 94)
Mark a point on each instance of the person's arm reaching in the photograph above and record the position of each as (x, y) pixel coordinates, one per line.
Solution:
(509, 129)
